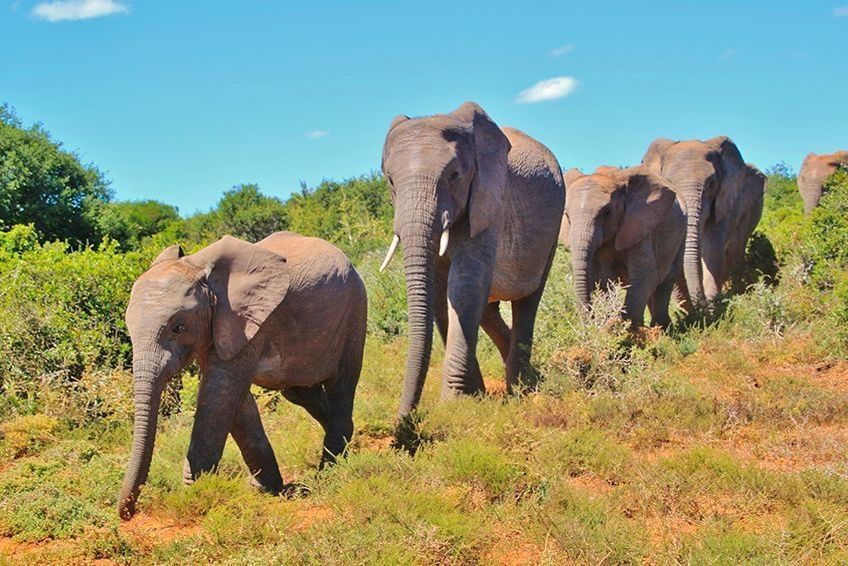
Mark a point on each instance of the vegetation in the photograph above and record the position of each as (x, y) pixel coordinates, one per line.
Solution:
(720, 442)
(44, 185)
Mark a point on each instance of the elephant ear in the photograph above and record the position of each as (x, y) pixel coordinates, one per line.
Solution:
(653, 157)
(647, 202)
(491, 148)
(733, 174)
(171, 253)
(397, 120)
(571, 175)
(247, 282)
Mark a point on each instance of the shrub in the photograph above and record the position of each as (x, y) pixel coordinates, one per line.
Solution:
(27, 434)
(826, 242)
(63, 315)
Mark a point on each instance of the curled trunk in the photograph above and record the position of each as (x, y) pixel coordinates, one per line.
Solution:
(147, 392)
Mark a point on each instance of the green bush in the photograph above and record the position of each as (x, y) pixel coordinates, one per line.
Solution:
(826, 242)
(63, 316)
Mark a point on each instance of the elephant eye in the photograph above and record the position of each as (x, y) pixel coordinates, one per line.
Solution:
(178, 329)
(454, 176)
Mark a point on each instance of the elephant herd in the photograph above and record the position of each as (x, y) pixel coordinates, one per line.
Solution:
(479, 210)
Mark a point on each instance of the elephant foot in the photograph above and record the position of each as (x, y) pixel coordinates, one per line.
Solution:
(268, 486)
(189, 475)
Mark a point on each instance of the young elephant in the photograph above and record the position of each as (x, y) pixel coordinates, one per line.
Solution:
(629, 225)
(814, 171)
(288, 314)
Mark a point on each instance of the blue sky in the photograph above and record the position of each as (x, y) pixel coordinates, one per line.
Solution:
(179, 100)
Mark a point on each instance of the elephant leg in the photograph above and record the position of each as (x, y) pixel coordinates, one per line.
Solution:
(340, 392)
(313, 399)
(469, 282)
(494, 325)
(220, 395)
(642, 279)
(441, 310)
(659, 303)
(520, 375)
(255, 447)
(713, 255)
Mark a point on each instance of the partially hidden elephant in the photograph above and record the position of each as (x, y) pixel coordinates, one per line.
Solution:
(287, 313)
(477, 209)
(709, 175)
(814, 171)
(627, 225)
(746, 215)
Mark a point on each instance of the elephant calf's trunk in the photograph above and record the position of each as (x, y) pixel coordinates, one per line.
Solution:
(147, 400)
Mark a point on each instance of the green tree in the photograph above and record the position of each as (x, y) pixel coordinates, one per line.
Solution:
(130, 222)
(355, 214)
(243, 212)
(46, 186)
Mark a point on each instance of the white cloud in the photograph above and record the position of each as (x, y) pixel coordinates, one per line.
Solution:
(840, 12)
(62, 10)
(726, 54)
(562, 50)
(549, 89)
(315, 134)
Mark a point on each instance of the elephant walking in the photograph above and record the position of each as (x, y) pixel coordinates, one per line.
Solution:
(288, 313)
(710, 176)
(477, 209)
(627, 225)
(814, 171)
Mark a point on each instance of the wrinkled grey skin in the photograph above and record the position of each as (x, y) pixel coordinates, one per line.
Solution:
(499, 194)
(746, 215)
(627, 225)
(814, 171)
(709, 175)
(287, 313)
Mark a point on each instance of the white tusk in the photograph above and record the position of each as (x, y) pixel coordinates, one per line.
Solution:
(390, 253)
(443, 242)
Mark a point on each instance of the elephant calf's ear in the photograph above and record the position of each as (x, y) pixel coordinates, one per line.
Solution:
(648, 201)
(248, 282)
(171, 253)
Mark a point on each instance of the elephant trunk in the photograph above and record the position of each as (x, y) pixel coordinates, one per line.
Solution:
(811, 192)
(581, 261)
(416, 225)
(692, 268)
(147, 391)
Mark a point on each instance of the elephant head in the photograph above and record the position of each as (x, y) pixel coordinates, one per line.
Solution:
(613, 209)
(186, 308)
(447, 173)
(709, 175)
(814, 171)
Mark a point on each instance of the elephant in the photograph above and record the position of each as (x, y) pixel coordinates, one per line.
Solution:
(746, 215)
(287, 313)
(814, 171)
(709, 175)
(477, 209)
(627, 225)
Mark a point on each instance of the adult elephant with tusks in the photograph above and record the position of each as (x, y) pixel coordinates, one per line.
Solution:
(477, 209)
